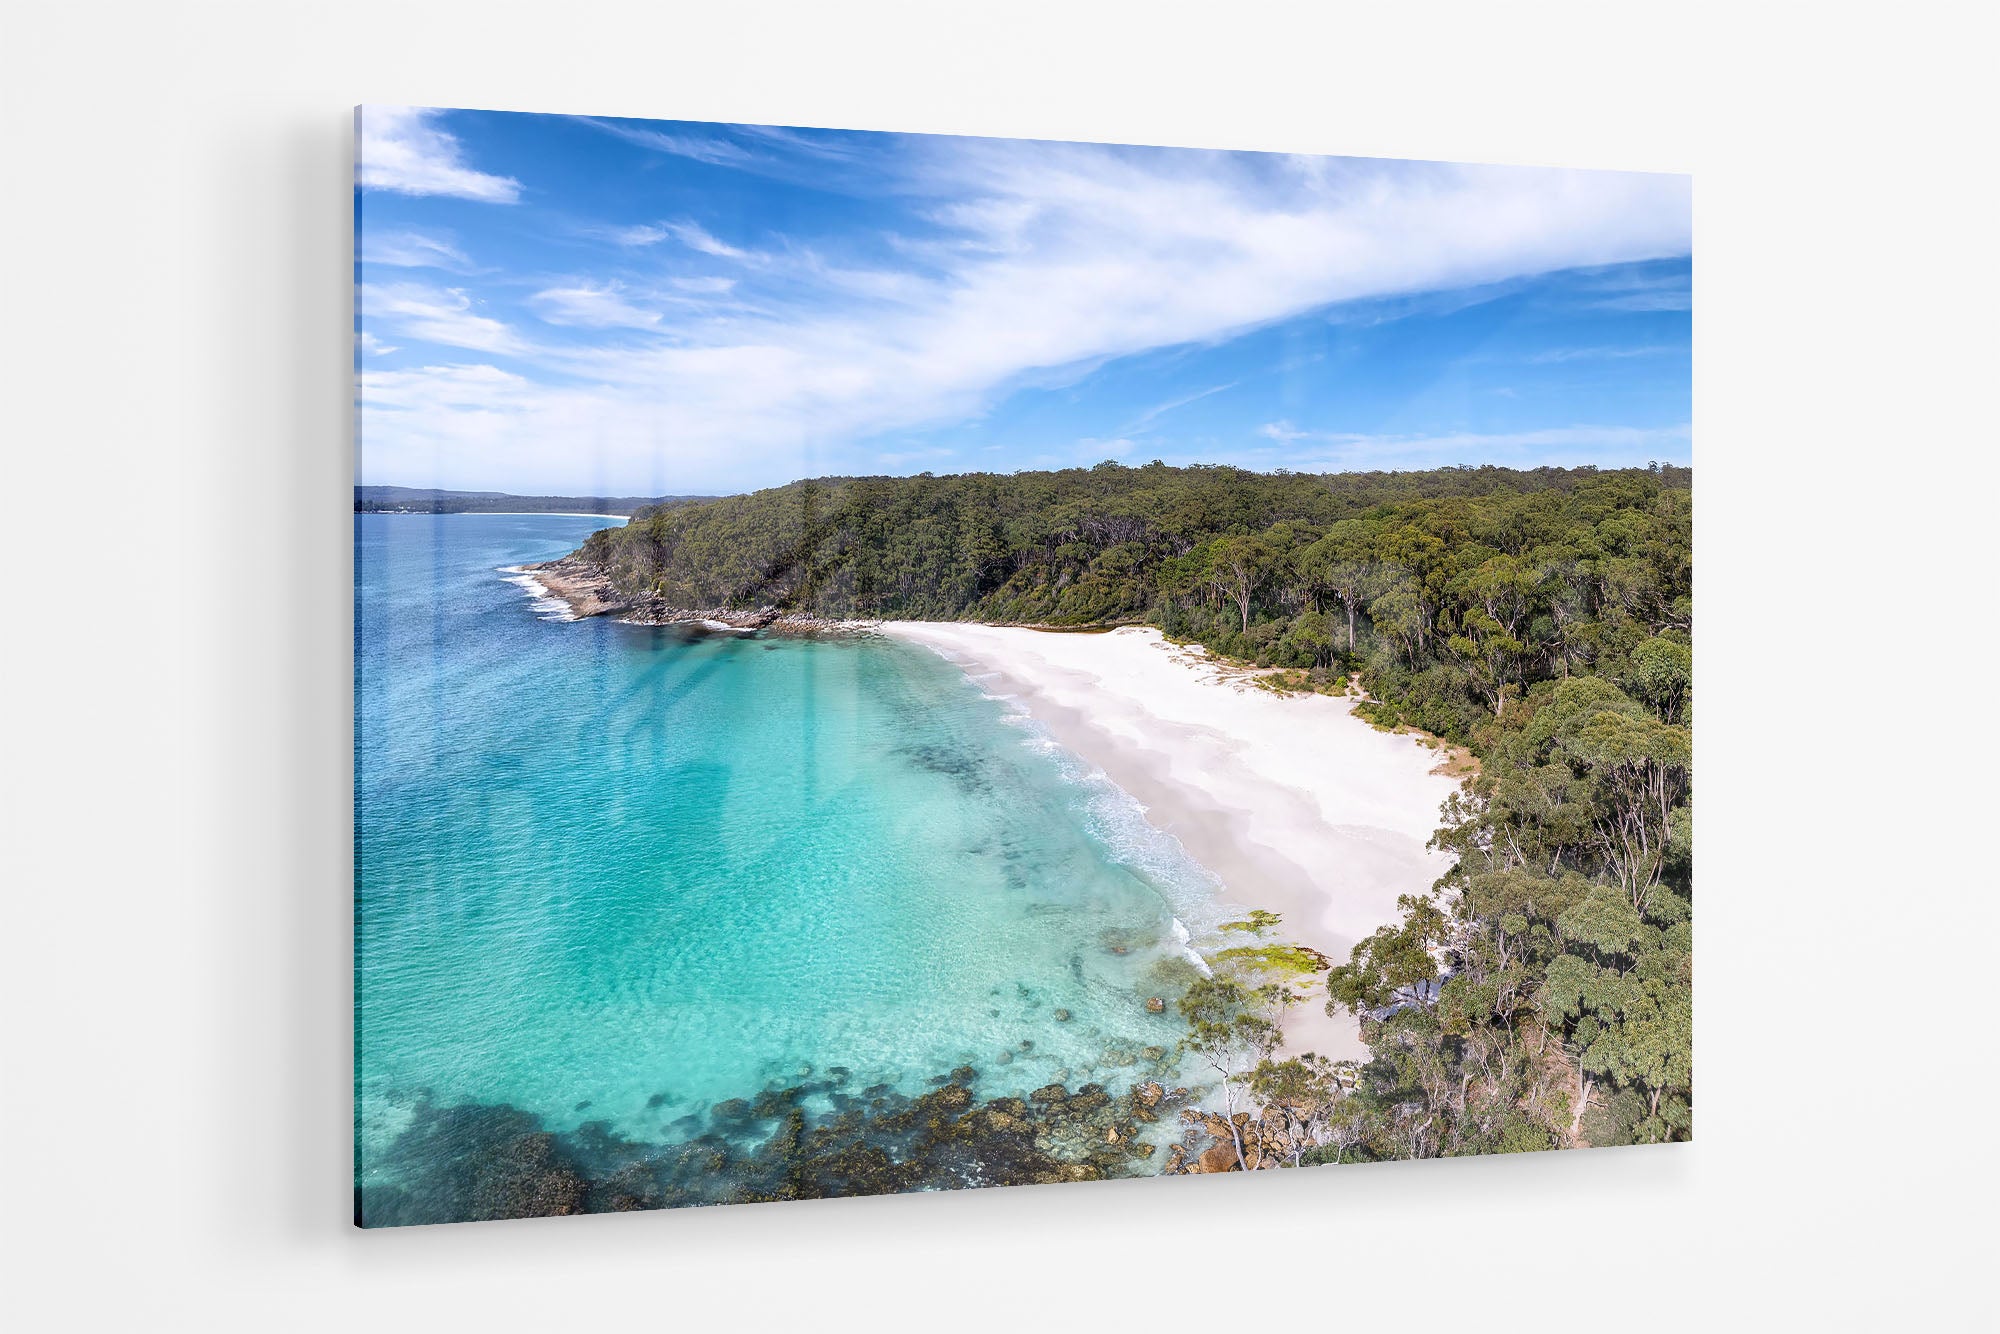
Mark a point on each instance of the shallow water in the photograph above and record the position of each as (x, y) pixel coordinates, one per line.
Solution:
(611, 873)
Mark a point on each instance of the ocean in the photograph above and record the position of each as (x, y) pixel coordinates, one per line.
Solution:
(610, 878)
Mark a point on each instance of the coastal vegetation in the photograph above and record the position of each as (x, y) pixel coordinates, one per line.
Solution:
(1540, 995)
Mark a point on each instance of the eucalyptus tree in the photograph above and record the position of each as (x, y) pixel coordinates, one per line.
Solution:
(1233, 1029)
(1343, 563)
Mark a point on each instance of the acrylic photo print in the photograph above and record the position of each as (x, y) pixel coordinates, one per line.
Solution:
(891, 663)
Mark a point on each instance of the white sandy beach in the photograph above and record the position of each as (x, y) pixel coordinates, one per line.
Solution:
(1295, 804)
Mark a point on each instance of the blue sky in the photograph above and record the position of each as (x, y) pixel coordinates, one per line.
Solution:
(571, 305)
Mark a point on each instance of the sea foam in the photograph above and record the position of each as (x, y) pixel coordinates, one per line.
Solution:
(1117, 821)
(546, 605)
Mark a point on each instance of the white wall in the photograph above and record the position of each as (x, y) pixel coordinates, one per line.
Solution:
(175, 314)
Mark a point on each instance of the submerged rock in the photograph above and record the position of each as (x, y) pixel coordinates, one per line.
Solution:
(773, 1103)
(475, 1162)
(1089, 1098)
(799, 1142)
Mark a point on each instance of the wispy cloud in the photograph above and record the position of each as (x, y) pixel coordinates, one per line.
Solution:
(402, 149)
(1044, 260)
(644, 234)
(442, 315)
(412, 250)
(711, 148)
(1159, 410)
(1283, 432)
(826, 162)
(707, 285)
(1654, 300)
(1640, 291)
(472, 386)
(593, 307)
(695, 237)
(1555, 356)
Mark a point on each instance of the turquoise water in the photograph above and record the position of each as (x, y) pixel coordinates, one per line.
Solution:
(618, 873)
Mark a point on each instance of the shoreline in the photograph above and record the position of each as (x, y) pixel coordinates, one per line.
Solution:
(497, 514)
(588, 592)
(1293, 803)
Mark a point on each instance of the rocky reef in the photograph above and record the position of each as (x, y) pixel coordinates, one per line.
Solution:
(810, 1140)
(1209, 1143)
(589, 591)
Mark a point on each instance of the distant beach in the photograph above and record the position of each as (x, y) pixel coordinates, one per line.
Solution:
(506, 514)
(1295, 804)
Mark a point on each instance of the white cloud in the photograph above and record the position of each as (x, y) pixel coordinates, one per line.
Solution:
(436, 315)
(411, 250)
(642, 235)
(593, 307)
(700, 147)
(1648, 301)
(403, 150)
(1558, 355)
(1063, 257)
(1159, 410)
(705, 286)
(1641, 291)
(371, 345)
(694, 237)
(475, 386)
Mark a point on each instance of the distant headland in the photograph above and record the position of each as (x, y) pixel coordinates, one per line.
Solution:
(430, 500)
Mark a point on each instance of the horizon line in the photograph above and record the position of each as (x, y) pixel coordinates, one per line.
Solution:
(1651, 465)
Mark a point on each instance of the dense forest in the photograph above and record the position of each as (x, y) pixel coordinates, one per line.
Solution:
(1541, 995)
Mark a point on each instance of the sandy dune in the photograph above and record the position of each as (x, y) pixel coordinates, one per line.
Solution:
(1295, 804)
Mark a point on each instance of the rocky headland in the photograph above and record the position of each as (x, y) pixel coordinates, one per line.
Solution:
(587, 589)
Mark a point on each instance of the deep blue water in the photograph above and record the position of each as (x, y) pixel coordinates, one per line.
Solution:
(619, 873)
